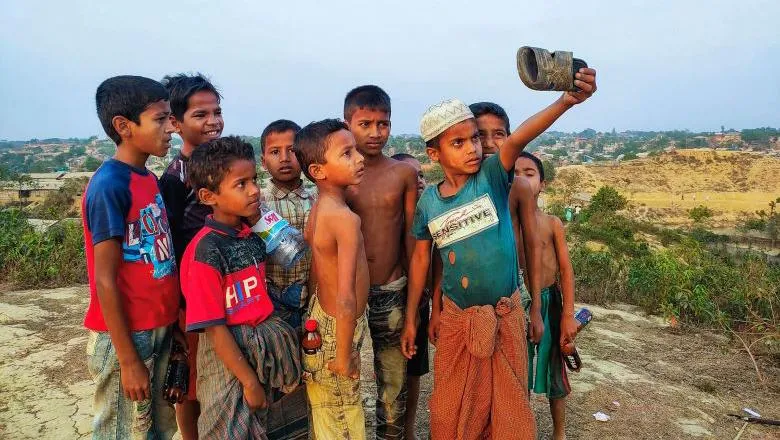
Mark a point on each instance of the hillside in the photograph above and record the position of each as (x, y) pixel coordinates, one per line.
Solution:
(727, 182)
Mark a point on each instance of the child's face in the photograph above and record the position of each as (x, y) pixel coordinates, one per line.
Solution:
(343, 162)
(492, 134)
(279, 158)
(460, 150)
(152, 135)
(371, 129)
(420, 177)
(202, 121)
(238, 193)
(526, 169)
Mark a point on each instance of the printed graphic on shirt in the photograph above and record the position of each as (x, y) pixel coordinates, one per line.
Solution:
(463, 222)
(242, 293)
(148, 239)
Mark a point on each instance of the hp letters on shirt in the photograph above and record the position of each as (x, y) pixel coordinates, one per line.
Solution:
(463, 222)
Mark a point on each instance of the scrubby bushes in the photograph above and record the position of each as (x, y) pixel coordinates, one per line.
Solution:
(690, 276)
(31, 259)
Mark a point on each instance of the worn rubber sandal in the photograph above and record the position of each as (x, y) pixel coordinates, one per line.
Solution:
(541, 70)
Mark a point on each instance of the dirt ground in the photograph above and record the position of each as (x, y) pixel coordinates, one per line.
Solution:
(653, 381)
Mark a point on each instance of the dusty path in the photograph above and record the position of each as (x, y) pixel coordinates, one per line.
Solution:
(667, 384)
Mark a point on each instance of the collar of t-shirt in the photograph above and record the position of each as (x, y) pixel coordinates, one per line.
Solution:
(282, 193)
(242, 232)
(142, 171)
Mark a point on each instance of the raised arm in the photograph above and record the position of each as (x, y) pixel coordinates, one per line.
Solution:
(348, 236)
(532, 127)
(133, 372)
(418, 273)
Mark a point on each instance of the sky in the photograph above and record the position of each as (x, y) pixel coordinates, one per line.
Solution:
(662, 65)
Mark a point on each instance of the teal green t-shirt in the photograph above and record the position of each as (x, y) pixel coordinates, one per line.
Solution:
(476, 226)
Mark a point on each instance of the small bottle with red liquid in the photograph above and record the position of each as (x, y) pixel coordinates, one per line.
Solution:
(311, 343)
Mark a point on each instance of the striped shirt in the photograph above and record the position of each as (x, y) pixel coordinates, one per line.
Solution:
(294, 206)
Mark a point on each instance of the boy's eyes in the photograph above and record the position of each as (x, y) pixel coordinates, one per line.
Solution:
(243, 183)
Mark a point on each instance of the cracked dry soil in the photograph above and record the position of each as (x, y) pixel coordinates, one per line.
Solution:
(667, 383)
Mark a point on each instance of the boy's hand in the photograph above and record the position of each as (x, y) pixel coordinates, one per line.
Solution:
(254, 394)
(585, 80)
(536, 329)
(568, 329)
(408, 336)
(433, 327)
(135, 380)
(348, 368)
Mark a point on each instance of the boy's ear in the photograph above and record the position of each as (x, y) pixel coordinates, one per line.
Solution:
(207, 197)
(433, 154)
(176, 125)
(122, 125)
(262, 161)
(317, 171)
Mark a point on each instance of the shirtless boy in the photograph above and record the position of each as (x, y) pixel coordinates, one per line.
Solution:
(385, 201)
(328, 157)
(548, 375)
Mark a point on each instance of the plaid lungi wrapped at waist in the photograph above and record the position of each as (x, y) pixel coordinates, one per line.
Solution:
(273, 351)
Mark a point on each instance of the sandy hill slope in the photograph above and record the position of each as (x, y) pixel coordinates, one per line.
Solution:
(687, 171)
(725, 181)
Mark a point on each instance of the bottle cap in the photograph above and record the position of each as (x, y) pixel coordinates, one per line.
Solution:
(311, 325)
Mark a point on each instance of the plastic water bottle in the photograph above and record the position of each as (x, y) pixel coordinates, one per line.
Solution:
(284, 243)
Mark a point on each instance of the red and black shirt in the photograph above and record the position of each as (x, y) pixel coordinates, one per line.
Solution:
(223, 277)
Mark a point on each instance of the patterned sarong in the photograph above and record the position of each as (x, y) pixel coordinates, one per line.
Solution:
(480, 380)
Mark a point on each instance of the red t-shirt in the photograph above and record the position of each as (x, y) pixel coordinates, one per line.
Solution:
(123, 203)
(223, 277)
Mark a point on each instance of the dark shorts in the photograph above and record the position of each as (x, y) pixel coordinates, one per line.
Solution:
(419, 364)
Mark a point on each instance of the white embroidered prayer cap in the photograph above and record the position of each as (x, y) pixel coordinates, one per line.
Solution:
(442, 116)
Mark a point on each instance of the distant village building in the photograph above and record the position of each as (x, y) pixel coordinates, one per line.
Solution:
(37, 187)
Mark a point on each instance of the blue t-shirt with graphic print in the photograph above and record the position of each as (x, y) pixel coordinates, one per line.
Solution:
(475, 225)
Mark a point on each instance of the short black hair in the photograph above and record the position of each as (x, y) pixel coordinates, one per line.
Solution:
(491, 108)
(211, 161)
(311, 142)
(433, 143)
(127, 96)
(181, 86)
(403, 156)
(370, 97)
(278, 126)
(536, 161)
